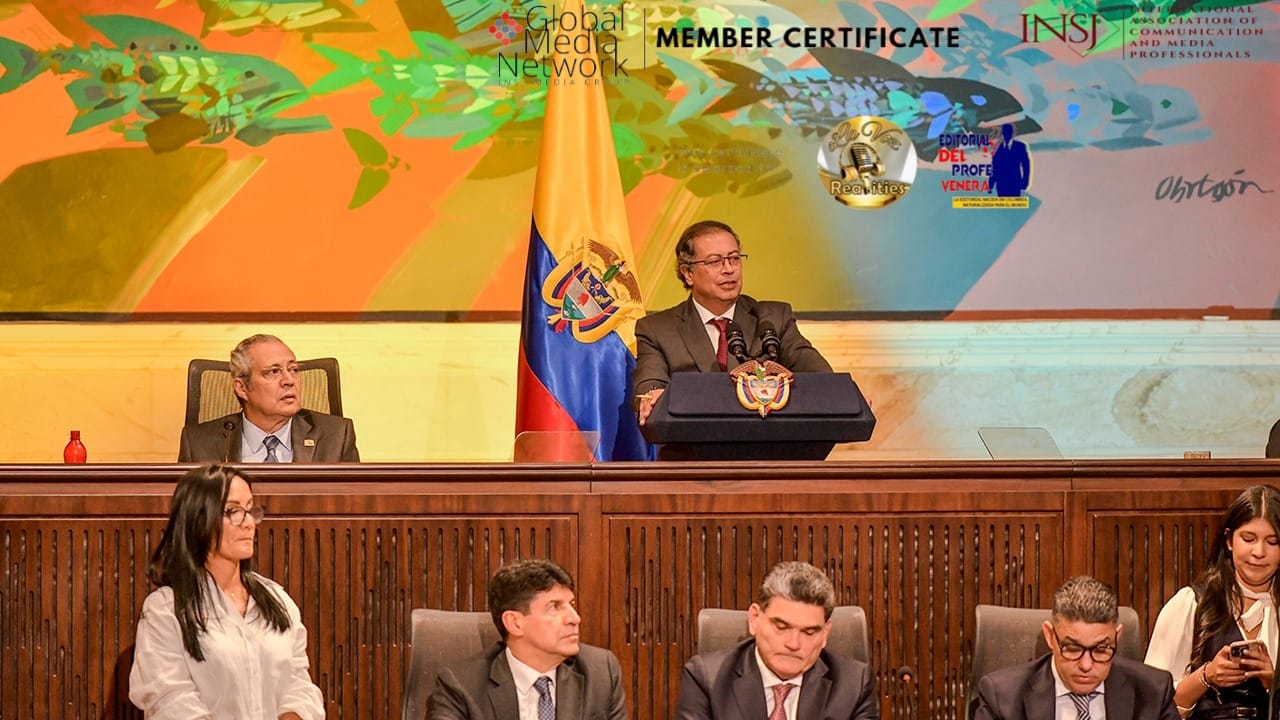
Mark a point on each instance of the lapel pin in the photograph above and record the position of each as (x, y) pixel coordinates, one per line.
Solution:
(308, 443)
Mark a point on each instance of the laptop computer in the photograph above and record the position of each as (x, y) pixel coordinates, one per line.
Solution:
(1019, 443)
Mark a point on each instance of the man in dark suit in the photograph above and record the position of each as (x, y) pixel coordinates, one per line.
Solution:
(1273, 441)
(686, 338)
(539, 670)
(783, 672)
(1081, 677)
(272, 426)
(1010, 165)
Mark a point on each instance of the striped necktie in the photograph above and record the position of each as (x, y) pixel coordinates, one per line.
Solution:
(780, 693)
(1082, 704)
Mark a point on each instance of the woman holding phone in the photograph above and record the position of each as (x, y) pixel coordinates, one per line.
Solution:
(1218, 637)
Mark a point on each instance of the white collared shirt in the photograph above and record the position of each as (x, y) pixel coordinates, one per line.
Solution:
(526, 693)
(1064, 708)
(706, 316)
(253, 447)
(792, 703)
(250, 671)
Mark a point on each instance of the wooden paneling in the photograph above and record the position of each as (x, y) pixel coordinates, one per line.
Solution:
(916, 545)
(71, 593)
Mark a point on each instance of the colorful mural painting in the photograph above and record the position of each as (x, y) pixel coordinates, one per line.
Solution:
(377, 157)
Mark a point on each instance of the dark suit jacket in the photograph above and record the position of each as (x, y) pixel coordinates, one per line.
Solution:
(1273, 442)
(726, 685)
(334, 439)
(588, 686)
(675, 340)
(1026, 692)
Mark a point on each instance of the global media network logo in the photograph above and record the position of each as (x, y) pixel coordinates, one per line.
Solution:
(561, 47)
(504, 29)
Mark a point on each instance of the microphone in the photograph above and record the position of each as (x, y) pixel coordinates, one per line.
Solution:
(227, 428)
(865, 164)
(907, 676)
(737, 343)
(769, 342)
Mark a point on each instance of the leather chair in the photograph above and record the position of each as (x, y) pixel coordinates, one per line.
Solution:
(440, 637)
(1005, 636)
(210, 394)
(719, 629)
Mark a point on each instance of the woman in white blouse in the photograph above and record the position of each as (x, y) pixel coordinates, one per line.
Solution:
(216, 640)
(1233, 601)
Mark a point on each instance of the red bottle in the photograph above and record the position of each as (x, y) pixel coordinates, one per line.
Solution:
(74, 452)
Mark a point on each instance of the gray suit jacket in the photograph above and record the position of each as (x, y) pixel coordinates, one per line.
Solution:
(588, 686)
(726, 685)
(675, 340)
(1133, 691)
(331, 439)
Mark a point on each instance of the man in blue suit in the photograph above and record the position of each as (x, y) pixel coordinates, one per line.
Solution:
(1010, 166)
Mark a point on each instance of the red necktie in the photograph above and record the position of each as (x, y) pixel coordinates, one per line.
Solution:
(780, 692)
(722, 344)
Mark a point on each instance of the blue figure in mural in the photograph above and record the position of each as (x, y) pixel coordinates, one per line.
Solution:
(1010, 166)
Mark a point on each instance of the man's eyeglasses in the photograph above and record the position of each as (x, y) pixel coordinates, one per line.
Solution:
(1102, 652)
(275, 372)
(237, 514)
(716, 261)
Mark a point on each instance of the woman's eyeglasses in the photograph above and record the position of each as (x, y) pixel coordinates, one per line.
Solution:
(237, 514)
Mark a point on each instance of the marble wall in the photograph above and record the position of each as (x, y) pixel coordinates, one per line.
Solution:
(443, 392)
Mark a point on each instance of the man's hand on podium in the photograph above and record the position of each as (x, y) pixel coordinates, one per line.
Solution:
(647, 401)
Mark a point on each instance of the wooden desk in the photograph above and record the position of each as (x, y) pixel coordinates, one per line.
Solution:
(917, 545)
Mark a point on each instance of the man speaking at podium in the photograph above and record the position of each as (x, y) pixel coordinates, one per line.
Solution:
(694, 336)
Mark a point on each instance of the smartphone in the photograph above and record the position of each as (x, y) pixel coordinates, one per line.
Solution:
(1238, 648)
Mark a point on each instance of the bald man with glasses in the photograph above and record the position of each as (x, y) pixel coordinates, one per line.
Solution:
(692, 336)
(1081, 678)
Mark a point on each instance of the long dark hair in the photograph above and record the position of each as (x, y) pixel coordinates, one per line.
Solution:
(1218, 593)
(195, 530)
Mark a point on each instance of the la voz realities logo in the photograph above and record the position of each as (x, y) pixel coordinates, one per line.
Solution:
(551, 31)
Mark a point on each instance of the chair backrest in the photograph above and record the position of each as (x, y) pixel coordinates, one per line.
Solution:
(1006, 636)
(210, 394)
(441, 637)
(719, 628)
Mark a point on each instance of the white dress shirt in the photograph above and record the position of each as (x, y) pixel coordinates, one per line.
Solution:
(250, 671)
(792, 703)
(706, 316)
(1170, 647)
(1064, 708)
(253, 447)
(526, 694)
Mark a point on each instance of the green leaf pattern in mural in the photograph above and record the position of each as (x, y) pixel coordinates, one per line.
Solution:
(160, 86)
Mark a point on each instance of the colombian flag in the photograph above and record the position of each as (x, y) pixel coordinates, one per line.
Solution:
(581, 295)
